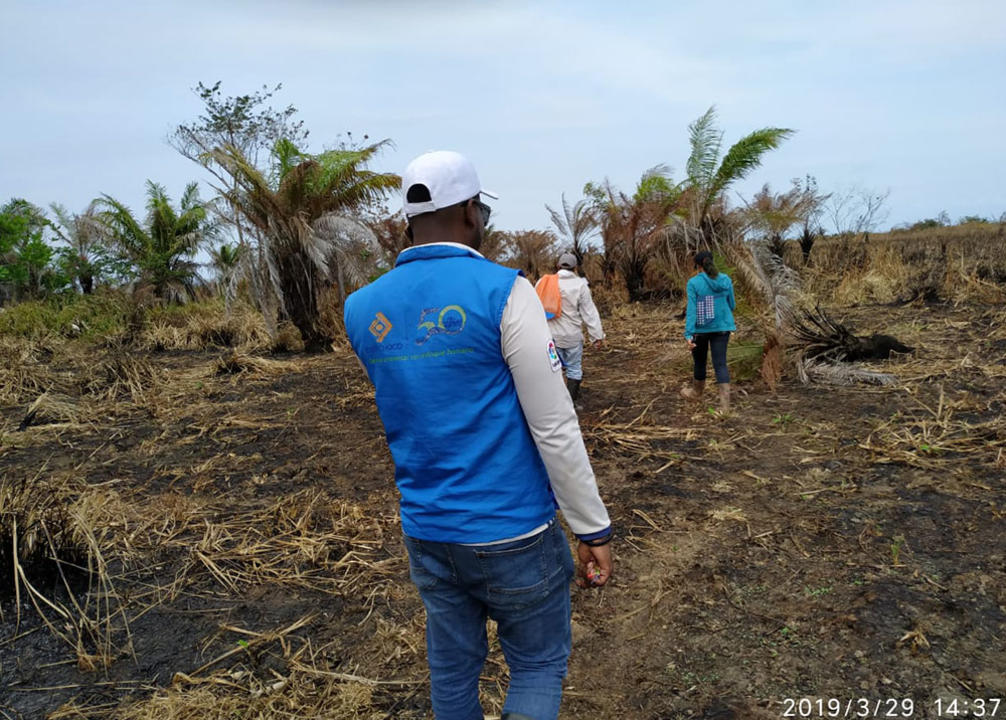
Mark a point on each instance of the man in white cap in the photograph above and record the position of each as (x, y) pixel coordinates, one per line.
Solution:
(485, 442)
(578, 309)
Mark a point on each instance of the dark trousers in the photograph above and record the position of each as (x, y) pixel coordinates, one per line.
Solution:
(718, 342)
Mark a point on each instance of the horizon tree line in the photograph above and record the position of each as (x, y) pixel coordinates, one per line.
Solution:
(292, 230)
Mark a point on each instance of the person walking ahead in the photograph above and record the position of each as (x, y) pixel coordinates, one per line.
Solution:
(709, 320)
(578, 309)
(485, 443)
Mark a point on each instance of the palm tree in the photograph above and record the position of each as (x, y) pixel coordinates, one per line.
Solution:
(162, 251)
(710, 173)
(533, 251)
(575, 224)
(773, 214)
(85, 255)
(298, 208)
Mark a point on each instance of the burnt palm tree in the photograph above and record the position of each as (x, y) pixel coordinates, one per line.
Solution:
(773, 214)
(633, 226)
(300, 208)
(533, 251)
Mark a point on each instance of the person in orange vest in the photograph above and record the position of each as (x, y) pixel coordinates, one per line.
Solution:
(577, 310)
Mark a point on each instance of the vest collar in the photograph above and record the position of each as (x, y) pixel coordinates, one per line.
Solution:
(433, 251)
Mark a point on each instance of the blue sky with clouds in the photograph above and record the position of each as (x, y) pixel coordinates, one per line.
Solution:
(543, 96)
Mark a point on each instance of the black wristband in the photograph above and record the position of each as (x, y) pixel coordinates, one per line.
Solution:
(598, 542)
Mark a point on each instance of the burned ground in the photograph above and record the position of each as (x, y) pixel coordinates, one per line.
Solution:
(825, 542)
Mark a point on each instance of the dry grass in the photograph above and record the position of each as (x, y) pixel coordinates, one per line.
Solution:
(24, 374)
(234, 362)
(122, 376)
(945, 429)
(639, 436)
(203, 328)
(959, 264)
(941, 435)
(54, 558)
(225, 697)
(306, 540)
(54, 409)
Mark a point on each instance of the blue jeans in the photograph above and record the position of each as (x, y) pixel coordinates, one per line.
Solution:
(572, 360)
(717, 342)
(524, 586)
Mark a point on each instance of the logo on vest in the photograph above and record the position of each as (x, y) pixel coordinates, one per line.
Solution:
(441, 321)
(380, 327)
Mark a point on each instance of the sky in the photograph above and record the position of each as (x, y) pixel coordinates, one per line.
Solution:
(543, 97)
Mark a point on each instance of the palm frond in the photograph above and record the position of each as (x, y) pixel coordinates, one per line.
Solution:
(705, 140)
(190, 198)
(285, 156)
(561, 221)
(743, 157)
(584, 222)
(345, 245)
(124, 229)
(812, 371)
(655, 184)
(342, 183)
(575, 223)
(64, 222)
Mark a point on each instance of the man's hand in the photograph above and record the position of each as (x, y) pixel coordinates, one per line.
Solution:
(598, 344)
(594, 566)
(691, 343)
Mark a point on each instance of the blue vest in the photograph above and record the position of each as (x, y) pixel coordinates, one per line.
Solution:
(428, 333)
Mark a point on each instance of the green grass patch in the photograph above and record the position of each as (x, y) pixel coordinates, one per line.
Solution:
(84, 316)
(183, 315)
(744, 360)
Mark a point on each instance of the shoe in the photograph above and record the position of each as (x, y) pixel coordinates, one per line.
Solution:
(574, 388)
(693, 392)
(724, 389)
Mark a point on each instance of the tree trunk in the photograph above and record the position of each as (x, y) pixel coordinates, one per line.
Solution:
(300, 300)
(806, 243)
(634, 280)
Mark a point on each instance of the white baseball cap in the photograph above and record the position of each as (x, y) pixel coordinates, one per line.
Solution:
(449, 177)
(567, 260)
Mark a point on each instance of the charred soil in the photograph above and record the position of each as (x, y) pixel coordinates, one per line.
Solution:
(818, 542)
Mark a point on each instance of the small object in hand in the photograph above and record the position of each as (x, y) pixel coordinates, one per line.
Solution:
(593, 574)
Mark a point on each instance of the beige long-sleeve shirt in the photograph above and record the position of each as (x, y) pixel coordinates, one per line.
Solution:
(578, 309)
